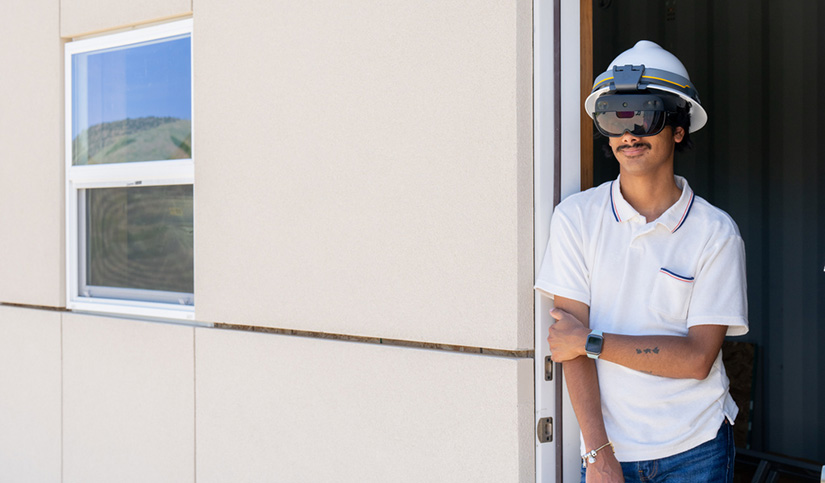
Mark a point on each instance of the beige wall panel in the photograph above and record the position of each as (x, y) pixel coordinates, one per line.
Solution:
(365, 168)
(31, 174)
(128, 401)
(281, 408)
(80, 17)
(29, 395)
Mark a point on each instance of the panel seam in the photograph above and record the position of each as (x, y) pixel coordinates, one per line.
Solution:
(519, 354)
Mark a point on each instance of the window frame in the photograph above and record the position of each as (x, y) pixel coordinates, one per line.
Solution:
(118, 175)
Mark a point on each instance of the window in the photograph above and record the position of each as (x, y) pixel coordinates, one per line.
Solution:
(130, 173)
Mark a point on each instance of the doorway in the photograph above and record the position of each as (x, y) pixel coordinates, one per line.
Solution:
(757, 67)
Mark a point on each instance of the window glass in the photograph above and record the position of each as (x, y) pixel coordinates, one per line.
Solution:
(140, 238)
(132, 103)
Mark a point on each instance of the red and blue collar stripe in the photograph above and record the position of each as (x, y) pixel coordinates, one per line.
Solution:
(613, 203)
(685, 214)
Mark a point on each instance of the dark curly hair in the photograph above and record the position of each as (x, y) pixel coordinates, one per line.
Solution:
(681, 118)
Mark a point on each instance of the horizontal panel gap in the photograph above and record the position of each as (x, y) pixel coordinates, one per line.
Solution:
(521, 354)
(34, 307)
(380, 341)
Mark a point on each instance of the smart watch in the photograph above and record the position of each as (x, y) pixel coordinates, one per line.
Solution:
(594, 344)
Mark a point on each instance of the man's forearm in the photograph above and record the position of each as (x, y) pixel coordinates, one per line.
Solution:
(680, 357)
(583, 386)
(668, 356)
(583, 383)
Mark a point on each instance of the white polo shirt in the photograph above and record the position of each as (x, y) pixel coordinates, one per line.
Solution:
(686, 268)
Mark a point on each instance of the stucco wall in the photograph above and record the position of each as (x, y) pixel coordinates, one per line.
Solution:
(31, 169)
(276, 408)
(84, 17)
(365, 168)
(145, 401)
(361, 169)
(128, 400)
(30, 410)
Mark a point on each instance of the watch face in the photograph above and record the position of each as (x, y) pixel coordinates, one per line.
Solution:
(594, 344)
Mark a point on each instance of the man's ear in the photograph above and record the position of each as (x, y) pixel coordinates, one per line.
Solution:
(678, 134)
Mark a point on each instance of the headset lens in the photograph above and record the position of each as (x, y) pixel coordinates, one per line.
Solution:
(637, 123)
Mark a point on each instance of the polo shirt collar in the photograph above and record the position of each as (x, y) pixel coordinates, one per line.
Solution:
(672, 219)
(677, 215)
(622, 211)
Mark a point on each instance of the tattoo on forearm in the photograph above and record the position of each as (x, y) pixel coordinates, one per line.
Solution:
(648, 350)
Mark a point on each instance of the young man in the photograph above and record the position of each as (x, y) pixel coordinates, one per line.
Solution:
(647, 280)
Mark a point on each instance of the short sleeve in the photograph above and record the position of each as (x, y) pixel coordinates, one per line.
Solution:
(720, 288)
(564, 270)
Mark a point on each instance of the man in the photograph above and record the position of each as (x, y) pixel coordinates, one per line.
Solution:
(647, 280)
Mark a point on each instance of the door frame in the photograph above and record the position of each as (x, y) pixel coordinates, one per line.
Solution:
(559, 131)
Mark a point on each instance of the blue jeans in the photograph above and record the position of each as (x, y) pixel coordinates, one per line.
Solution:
(710, 462)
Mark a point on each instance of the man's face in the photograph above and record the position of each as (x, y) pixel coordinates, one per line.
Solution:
(645, 155)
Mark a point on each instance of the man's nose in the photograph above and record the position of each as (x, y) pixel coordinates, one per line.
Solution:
(629, 138)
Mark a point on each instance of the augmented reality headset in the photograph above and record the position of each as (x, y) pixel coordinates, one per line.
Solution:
(639, 114)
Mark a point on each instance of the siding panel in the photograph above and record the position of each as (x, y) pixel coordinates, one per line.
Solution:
(128, 405)
(276, 408)
(29, 395)
(365, 169)
(31, 164)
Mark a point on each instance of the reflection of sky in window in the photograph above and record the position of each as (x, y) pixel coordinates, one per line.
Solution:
(139, 80)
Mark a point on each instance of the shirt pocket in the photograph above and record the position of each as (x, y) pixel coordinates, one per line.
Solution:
(671, 294)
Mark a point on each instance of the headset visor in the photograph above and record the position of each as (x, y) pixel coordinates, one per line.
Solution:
(639, 114)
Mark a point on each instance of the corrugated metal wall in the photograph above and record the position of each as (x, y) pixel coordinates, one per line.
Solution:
(757, 66)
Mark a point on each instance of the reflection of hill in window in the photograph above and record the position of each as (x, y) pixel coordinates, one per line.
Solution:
(130, 140)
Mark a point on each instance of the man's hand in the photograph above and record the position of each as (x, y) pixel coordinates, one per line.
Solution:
(567, 336)
(606, 469)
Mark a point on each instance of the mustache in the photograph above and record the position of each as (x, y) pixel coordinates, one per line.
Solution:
(630, 146)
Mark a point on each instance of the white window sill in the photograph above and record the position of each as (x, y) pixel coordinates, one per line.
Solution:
(133, 309)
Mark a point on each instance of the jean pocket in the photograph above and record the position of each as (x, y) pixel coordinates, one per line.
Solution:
(671, 294)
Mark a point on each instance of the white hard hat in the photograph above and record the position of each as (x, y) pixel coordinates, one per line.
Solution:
(647, 66)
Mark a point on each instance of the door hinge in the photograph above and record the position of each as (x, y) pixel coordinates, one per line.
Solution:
(544, 430)
(548, 369)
